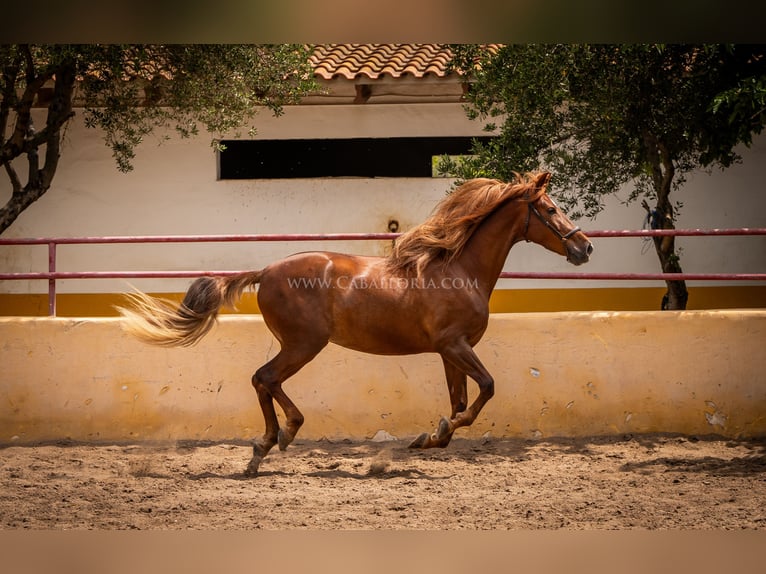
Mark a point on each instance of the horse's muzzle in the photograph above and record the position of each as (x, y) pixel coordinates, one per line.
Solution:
(579, 252)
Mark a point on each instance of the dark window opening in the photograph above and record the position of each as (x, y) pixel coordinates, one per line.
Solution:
(356, 157)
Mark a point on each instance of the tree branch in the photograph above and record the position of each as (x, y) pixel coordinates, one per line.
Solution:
(10, 73)
(33, 161)
(16, 143)
(14, 177)
(59, 112)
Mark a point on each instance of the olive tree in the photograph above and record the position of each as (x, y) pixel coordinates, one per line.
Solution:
(603, 116)
(126, 92)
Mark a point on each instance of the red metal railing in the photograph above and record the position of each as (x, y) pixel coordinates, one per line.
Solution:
(52, 275)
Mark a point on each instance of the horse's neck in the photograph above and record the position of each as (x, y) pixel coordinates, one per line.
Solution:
(484, 254)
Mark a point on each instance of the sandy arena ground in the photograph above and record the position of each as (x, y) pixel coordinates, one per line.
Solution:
(640, 482)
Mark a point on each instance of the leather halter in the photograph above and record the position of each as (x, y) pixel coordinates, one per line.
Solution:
(548, 224)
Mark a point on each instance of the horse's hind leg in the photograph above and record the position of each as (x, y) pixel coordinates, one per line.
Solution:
(268, 384)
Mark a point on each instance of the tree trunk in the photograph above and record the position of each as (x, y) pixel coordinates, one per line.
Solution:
(661, 217)
(18, 202)
(27, 141)
(677, 295)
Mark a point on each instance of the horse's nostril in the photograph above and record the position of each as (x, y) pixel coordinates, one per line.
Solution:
(589, 249)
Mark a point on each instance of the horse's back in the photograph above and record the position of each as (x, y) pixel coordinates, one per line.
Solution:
(314, 270)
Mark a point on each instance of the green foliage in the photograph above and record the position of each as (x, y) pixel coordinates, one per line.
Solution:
(128, 92)
(182, 87)
(599, 116)
(602, 116)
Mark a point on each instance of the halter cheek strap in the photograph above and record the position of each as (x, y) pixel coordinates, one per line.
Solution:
(562, 236)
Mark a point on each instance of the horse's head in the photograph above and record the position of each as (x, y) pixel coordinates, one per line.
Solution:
(547, 225)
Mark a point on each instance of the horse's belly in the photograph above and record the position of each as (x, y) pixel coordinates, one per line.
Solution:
(379, 340)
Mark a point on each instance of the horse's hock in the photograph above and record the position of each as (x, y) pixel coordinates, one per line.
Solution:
(556, 374)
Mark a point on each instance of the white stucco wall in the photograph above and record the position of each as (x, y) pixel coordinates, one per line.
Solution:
(174, 190)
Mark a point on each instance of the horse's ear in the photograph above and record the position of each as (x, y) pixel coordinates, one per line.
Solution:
(542, 179)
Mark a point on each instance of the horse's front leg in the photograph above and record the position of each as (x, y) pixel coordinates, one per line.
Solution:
(460, 362)
(457, 386)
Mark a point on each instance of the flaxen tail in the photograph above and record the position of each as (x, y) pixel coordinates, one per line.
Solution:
(161, 322)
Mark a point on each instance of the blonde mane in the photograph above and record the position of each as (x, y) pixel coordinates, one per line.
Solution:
(443, 235)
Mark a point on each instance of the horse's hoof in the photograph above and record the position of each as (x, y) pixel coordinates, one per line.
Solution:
(420, 441)
(252, 467)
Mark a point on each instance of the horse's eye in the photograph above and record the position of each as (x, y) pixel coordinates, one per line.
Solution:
(551, 211)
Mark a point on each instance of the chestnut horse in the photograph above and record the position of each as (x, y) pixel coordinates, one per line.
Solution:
(430, 295)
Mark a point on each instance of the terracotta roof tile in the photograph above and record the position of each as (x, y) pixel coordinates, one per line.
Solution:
(374, 61)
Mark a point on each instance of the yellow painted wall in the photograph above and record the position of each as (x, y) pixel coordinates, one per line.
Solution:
(502, 300)
(557, 374)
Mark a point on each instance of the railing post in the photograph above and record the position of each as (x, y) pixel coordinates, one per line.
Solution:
(51, 280)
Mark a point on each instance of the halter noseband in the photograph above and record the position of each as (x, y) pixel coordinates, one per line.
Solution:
(562, 236)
